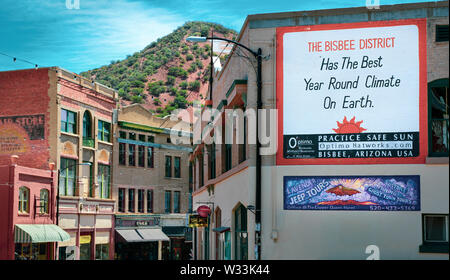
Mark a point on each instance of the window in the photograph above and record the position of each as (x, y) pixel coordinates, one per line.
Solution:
(123, 134)
(24, 200)
(87, 125)
(121, 201)
(435, 233)
(228, 157)
(150, 201)
(141, 201)
(177, 169)
(241, 235)
(68, 121)
(104, 131)
(212, 160)
(130, 200)
(141, 156)
(43, 199)
(122, 153)
(168, 201)
(103, 177)
(149, 157)
(438, 116)
(176, 202)
(141, 138)
(132, 136)
(102, 251)
(131, 156)
(168, 172)
(67, 177)
(151, 139)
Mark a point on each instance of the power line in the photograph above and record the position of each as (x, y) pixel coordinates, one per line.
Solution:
(20, 59)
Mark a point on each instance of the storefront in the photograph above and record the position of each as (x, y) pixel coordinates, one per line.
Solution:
(140, 238)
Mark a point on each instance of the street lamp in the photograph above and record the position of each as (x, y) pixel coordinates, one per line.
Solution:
(57, 193)
(258, 55)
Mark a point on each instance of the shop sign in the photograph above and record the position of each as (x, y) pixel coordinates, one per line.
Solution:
(203, 210)
(371, 193)
(85, 239)
(352, 93)
(138, 222)
(198, 221)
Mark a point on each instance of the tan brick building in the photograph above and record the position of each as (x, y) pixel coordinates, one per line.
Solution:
(151, 187)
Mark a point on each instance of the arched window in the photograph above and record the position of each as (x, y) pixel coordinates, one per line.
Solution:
(43, 196)
(241, 235)
(87, 130)
(24, 200)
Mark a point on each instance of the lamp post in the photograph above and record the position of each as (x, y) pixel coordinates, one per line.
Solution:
(258, 55)
(57, 192)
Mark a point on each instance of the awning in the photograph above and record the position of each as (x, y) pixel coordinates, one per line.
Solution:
(221, 229)
(39, 233)
(142, 235)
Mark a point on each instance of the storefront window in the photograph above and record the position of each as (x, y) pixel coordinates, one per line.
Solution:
(31, 251)
(438, 114)
(85, 247)
(104, 180)
(102, 251)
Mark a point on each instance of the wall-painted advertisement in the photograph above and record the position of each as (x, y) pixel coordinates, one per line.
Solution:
(353, 93)
(369, 193)
(17, 131)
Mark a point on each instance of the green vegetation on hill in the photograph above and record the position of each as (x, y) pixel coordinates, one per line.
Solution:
(136, 77)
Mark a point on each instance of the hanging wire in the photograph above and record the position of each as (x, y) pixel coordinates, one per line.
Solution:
(20, 59)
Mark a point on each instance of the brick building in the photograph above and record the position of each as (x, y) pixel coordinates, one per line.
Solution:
(151, 186)
(53, 116)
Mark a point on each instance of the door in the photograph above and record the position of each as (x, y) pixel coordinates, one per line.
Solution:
(85, 247)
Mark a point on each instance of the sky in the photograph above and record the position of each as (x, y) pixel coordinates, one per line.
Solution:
(79, 35)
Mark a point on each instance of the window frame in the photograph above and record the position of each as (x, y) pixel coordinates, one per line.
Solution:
(103, 133)
(150, 199)
(44, 195)
(435, 84)
(140, 200)
(121, 200)
(65, 127)
(131, 200)
(177, 170)
(72, 163)
(434, 246)
(168, 168)
(176, 201)
(101, 180)
(24, 200)
(168, 202)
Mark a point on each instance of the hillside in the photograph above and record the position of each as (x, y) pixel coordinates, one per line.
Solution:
(167, 74)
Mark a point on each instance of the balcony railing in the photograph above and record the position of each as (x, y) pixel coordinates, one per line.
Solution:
(88, 142)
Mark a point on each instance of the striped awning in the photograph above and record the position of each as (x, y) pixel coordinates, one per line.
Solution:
(39, 233)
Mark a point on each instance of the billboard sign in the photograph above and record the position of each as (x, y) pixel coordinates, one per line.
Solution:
(352, 93)
(369, 193)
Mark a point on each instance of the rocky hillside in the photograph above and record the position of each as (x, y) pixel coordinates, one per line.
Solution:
(167, 74)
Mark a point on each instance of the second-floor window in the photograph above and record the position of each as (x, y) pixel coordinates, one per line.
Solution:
(141, 201)
(149, 157)
(168, 202)
(43, 201)
(67, 177)
(131, 155)
(176, 202)
(68, 121)
(24, 200)
(104, 181)
(130, 200)
(141, 156)
(150, 201)
(104, 131)
(122, 153)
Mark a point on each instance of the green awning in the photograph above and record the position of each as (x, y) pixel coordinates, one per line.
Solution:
(39, 233)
